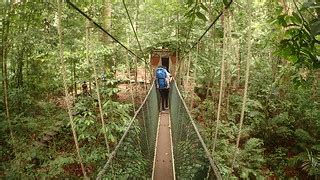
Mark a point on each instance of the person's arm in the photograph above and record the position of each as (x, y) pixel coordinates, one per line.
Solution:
(155, 80)
(169, 76)
(168, 79)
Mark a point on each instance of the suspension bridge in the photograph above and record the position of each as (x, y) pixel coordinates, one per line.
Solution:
(159, 145)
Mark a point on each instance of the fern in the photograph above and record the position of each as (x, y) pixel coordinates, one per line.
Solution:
(251, 158)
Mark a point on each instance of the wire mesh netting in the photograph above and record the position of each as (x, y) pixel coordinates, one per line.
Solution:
(190, 158)
(133, 159)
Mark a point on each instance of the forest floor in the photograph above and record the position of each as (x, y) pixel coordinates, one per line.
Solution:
(133, 92)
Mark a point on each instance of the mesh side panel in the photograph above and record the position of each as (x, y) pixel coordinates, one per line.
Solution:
(190, 158)
(134, 158)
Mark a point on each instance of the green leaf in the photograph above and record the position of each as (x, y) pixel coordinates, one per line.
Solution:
(282, 21)
(303, 135)
(279, 10)
(190, 2)
(190, 12)
(204, 7)
(292, 32)
(296, 18)
(226, 2)
(201, 16)
(112, 138)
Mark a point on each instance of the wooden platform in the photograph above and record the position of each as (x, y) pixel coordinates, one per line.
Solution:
(163, 161)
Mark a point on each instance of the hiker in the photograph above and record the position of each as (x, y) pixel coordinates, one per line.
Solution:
(163, 84)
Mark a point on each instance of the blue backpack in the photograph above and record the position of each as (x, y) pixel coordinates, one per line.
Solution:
(161, 75)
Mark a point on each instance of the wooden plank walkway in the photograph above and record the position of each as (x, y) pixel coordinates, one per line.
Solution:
(163, 163)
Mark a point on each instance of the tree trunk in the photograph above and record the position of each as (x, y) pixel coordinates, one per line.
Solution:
(214, 58)
(101, 112)
(3, 58)
(20, 69)
(136, 70)
(22, 51)
(136, 16)
(238, 59)
(188, 65)
(129, 64)
(222, 85)
(226, 47)
(193, 84)
(248, 60)
(135, 27)
(106, 16)
(74, 77)
(67, 97)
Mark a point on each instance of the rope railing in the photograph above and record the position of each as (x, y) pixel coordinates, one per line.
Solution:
(192, 157)
(133, 155)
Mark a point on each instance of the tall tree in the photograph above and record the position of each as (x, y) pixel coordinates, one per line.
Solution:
(3, 57)
(248, 61)
(67, 96)
(97, 84)
(222, 85)
(107, 21)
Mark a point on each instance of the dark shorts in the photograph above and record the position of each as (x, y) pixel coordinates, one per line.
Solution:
(164, 95)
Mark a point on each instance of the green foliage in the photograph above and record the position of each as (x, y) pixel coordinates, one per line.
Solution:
(312, 164)
(307, 161)
(195, 10)
(28, 154)
(299, 43)
(277, 161)
(119, 115)
(85, 121)
(56, 165)
(282, 118)
(251, 159)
